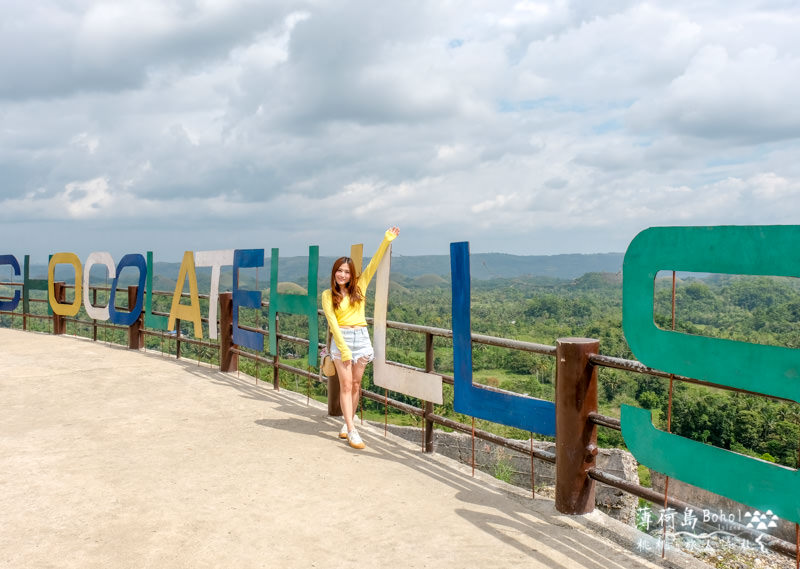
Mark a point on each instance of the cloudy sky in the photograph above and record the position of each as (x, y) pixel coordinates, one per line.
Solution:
(523, 127)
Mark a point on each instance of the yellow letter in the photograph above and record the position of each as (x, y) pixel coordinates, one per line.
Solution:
(191, 311)
(66, 259)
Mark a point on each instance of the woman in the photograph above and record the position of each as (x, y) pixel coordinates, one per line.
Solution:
(344, 305)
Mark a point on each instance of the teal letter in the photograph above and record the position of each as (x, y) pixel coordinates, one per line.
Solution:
(29, 284)
(151, 320)
(771, 370)
(304, 304)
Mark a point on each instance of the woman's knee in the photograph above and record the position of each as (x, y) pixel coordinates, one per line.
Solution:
(346, 382)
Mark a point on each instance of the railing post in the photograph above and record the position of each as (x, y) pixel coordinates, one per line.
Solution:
(59, 322)
(334, 402)
(135, 336)
(428, 429)
(178, 338)
(576, 436)
(228, 361)
(94, 321)
(276, 381)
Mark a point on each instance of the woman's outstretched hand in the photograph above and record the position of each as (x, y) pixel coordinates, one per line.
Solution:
(394, 230)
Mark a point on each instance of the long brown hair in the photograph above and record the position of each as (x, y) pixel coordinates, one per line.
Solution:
(350, 289)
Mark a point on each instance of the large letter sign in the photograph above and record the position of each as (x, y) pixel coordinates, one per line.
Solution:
(128, 318)
(216, 260)
(304, 304)
(65, 259)
(191, 311)
(29, 284)
(96, 258)
(242, 298)
(152, 320)
(10, 304)
(521, 411)
(425, 386)
(771, 370)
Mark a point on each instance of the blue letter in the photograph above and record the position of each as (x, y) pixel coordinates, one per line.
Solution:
(10, 305)
(506, 408)
(246, 298)
(127, 318)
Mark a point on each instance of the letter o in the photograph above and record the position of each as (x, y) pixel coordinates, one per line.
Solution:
(64, 259)
(128, 318)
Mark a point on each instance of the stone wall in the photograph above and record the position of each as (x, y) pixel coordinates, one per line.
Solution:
(515, 467)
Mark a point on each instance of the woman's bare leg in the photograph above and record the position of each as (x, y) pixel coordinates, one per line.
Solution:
(346, 387)
(357, 373)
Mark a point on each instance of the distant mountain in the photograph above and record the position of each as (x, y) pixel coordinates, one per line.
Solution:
(420, 270)
(483, 266)
(500, 265)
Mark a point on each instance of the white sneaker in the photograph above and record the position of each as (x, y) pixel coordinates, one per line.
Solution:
(343, 430)
(355, 439)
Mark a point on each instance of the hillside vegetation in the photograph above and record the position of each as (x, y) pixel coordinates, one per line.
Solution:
(761, 310)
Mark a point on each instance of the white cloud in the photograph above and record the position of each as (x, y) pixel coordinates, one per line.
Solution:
(523, 126)
(87, 141)
(86, 199)
(747, 95)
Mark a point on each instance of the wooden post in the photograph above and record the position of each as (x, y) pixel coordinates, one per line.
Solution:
(576, 436)
(228, 361)
(427, 444)
(59, 322)
(178, 338)
(135, 336)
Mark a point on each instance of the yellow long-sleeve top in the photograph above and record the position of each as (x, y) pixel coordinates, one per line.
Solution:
(353, 315)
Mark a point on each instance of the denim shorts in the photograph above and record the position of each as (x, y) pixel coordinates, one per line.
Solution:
(357, 339)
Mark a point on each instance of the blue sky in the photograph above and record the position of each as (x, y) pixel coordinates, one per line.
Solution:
(522, 127)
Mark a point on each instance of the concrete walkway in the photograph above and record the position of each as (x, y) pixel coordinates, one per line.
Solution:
(116, 458)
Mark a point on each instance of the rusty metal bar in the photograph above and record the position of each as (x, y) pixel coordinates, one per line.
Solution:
(276, 380)
(255, 357)
(94, 321)
(669, 418)
(605, 421)
(184, 339)
(533, 477)
(91, 323)
(476, 338)
(512, 444)
(473, 446)
(292, 339)
(637, 367)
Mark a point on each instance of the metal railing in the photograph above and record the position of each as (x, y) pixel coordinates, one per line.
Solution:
(588, 417)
